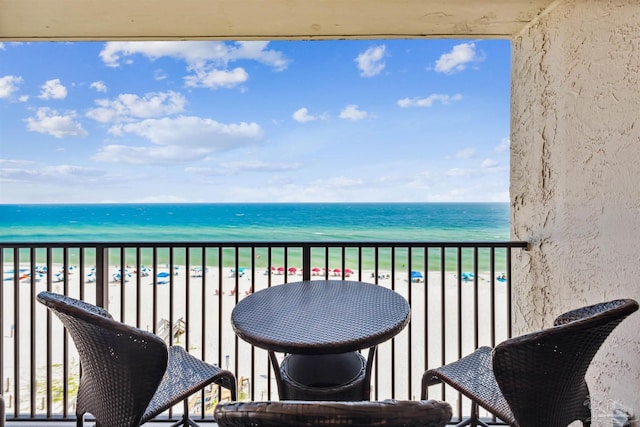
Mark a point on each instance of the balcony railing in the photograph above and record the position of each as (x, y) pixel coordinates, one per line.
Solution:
(459, 293)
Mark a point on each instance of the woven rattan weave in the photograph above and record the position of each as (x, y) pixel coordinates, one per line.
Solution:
(128, 375)
(536, 379)
(387, 413)
(321, 318)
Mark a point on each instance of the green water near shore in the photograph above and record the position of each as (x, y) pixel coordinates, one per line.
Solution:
(431, 259)
(234, 223)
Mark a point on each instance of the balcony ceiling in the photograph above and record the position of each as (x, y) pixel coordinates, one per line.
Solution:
(263, 19)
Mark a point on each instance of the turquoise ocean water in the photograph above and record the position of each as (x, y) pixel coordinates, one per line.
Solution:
(256, 222)
(375, 222)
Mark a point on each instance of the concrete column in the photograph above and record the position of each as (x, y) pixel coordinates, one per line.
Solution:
(575, 179)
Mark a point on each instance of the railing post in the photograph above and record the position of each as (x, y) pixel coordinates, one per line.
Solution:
(102, 277)
(306, 262)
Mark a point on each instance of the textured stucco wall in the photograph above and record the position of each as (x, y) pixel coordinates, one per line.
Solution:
(575, 179)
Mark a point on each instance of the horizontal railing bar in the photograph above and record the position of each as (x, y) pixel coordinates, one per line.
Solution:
(269, 244)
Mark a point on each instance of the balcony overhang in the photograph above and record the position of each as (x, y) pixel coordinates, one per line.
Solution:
(24, 20)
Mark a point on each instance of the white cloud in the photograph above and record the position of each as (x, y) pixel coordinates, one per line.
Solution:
(214, 79)
(53, 89)
(146, 155)
(259, 166)
(241, 167)
(180, 139)
(59, 125)
(371, 62)
(458, 59)
(257, 51)
(15, 163)
(58, 173)
(99, 86)
(208, 172)
(351, 112)
(459, 172)
(505, 144)
(487, 168)
(338, 182)
(302, 116)
(9, 85)
(489, 163)
(159, 75)
(429, 100)
(129, 106)
(466, 153)
(1, 46)
(208, 61)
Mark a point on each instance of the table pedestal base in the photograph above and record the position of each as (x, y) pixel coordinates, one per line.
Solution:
(324, 377)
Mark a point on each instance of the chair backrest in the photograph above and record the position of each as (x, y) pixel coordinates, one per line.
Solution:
(121, 366)
(291, 413)
(542, 374)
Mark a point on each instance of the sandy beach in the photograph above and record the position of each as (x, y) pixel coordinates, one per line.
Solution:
(203, 301)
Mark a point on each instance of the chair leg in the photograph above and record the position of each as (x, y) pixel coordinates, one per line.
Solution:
(185, 420)
(474, 419)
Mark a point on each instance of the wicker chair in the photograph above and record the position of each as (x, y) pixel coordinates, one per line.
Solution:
(128, 376)
(536, 379)
(2, 412)
(291, 413)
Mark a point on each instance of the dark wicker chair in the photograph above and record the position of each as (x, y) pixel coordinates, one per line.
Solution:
(2, 412)
(536, 379)
(291, 413)
(128, 376)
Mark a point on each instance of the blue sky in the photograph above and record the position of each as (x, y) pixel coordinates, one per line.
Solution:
(285, 121)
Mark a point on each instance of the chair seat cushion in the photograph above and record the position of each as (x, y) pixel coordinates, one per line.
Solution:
(473, 377)
(184, 376)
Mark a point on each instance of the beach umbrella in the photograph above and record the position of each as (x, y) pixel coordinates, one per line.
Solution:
(163, 277)
(69, 269)
(336, 271)
(117, 276)
(292, 270)
(241, 271)
(348, 271)
(280, 270)
(197, 271)
(466, 276)
(416, 275)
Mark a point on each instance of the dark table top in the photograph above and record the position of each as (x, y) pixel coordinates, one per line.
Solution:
(320, 316)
